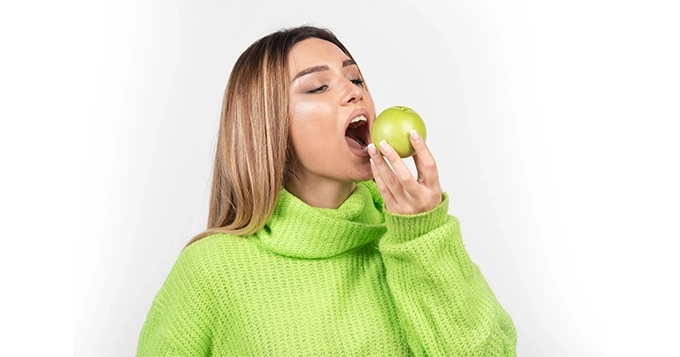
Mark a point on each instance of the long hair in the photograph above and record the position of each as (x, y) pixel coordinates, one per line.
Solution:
(254, 157)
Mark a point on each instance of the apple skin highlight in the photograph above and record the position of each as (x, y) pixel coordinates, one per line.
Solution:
(394, 125)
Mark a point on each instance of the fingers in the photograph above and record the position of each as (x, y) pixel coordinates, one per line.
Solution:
(404, 177)
(401, 191)
(377, 167)
(396, 184)
(388, 197)
(426, 166)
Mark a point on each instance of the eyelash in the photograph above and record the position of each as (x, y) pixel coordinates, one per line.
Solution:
(356, 81)
(318, 90)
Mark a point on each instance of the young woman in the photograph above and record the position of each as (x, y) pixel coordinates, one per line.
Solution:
(315, 246)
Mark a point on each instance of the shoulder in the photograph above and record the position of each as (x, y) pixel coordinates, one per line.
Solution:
(217, 247)
(216, 243)
(215, 256)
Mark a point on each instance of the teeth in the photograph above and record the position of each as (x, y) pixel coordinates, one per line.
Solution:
(358, 119)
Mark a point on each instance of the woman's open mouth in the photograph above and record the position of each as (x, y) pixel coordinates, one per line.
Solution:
(358, 136)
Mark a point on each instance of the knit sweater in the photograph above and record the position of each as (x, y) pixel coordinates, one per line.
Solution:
(352, 281)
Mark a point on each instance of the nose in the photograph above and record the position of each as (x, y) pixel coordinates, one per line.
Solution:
(353, 94)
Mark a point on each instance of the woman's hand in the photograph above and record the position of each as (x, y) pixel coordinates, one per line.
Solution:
(401, 192)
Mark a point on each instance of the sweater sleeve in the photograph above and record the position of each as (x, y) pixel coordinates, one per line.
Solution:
(443, 301)
(179, 321)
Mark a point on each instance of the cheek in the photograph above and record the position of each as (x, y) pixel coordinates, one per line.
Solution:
(309, 143)
(303, 132)
(304, 109)
(299, 132)
(301, 120)
(310, 120)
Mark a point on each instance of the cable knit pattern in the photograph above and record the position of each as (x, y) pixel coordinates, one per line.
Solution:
(352, 281)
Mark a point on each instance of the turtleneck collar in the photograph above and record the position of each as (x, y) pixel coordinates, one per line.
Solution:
(302, 231)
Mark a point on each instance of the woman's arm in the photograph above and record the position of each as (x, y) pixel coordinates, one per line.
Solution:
(444, 302)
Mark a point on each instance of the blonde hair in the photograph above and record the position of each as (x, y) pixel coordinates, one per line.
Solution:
(254, 158)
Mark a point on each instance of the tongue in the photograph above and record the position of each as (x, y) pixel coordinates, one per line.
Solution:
(353, 143)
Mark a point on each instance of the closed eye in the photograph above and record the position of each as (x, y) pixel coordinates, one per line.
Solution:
(319, 89)
(358, 81)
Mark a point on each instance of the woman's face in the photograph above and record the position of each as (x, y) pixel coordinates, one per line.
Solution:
(330, 114)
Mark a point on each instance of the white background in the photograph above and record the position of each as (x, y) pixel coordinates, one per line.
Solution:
(554, 125)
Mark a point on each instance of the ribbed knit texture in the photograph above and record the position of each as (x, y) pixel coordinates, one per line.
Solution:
(352, 281)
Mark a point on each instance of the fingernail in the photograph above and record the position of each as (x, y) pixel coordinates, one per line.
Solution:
(372, 150)
(415, 135)
(385, 148)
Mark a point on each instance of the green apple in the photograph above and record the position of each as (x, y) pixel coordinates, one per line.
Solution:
(394, 125)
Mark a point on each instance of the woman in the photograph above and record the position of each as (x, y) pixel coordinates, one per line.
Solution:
(305, 254)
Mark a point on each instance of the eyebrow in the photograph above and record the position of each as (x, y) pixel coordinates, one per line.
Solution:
(313, 69)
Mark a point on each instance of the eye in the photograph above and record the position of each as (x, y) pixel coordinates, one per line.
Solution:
(319, 89)
(358, 81)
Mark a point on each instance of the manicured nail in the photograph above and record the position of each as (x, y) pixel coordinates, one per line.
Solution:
(385, 148)
(415, 135)
(372, 150)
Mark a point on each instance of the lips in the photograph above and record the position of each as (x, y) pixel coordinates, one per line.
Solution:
(357, 132)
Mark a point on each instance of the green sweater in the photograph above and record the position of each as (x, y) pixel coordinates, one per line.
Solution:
(352, 281)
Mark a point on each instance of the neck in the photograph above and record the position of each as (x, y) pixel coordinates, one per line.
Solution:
(322, 194)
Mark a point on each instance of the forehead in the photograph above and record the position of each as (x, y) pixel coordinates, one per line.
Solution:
(314, 52)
